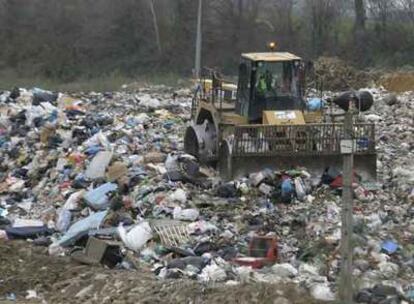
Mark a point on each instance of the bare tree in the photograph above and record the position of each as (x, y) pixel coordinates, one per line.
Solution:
(279, 20)
(285, 9)
(156, 28)
(359, 29)
(323, 14)
(381, 10)
(360, 15)
(239, 21)
(70, 38)
(408, 6)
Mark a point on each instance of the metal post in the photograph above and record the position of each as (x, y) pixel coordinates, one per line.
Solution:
(345, 288)
(199, 40)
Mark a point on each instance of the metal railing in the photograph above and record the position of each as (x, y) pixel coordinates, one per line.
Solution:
(216, 93)
(195, 101)
(300, 139)
(212, 93)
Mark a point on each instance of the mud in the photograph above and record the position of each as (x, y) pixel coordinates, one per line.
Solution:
(59, 280)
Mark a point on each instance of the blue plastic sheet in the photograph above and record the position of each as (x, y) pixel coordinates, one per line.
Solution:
(287, 187)
(93, 150)
(53, 116)
(315, 104)
(3, 140)
(168, 125)
(410, 294)
(389, 247)
(81, 228)
(97, 198)
(3, 212)
(27, 232)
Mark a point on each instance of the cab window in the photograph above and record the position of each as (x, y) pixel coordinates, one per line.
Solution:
(274, 78)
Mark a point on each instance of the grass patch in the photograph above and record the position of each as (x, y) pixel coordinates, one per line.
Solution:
(105, 83)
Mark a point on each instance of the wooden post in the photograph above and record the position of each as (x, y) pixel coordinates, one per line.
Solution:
(347, 147)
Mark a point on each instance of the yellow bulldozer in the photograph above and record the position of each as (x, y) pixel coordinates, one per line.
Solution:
(265, 122)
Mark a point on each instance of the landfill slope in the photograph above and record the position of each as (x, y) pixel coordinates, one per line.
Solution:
(60, 281)
(84, 171)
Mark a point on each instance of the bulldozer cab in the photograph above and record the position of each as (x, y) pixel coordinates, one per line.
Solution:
(272, 81)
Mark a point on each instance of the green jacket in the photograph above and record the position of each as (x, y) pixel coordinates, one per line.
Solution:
(262, 86)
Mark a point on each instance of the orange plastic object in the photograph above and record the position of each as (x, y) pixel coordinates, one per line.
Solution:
(65, 185)
(262, 251)
(76, 158)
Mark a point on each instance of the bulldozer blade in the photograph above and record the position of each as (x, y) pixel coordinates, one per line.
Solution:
(364, 165)
(313, 146)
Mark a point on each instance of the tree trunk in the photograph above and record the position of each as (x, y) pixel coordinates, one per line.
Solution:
(289, 20)
(156, 28)
(359, 15)
(359, 30)
(240, 26)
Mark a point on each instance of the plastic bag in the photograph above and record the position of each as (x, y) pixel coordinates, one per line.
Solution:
(185, 214)
(202, 227)
(137, 237)
(287, 190)
(149, 102)
(322, 292)
(72, 203)
(212, 273)
(63, 221)
(33, 113)
(40, 95)
(179, 195)
(315, 104)
(300, 189)
(97, 167)
(97, 198)
(81, 227)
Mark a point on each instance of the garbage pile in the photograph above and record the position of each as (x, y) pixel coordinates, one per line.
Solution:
(331, 73)
(398, 81)
(101, 177)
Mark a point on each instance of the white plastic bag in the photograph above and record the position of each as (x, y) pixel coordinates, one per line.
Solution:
(300, 189)
(285, 270)
(201, 227)
(137, 237)
(322, 292)
(20, 223)
(98, 165)
(149, 102)
(212, 273)
(185, 214)
(34, 112)
(72, 203)
(179, 195)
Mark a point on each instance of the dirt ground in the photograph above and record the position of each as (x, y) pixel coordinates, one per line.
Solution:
(59, 280)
